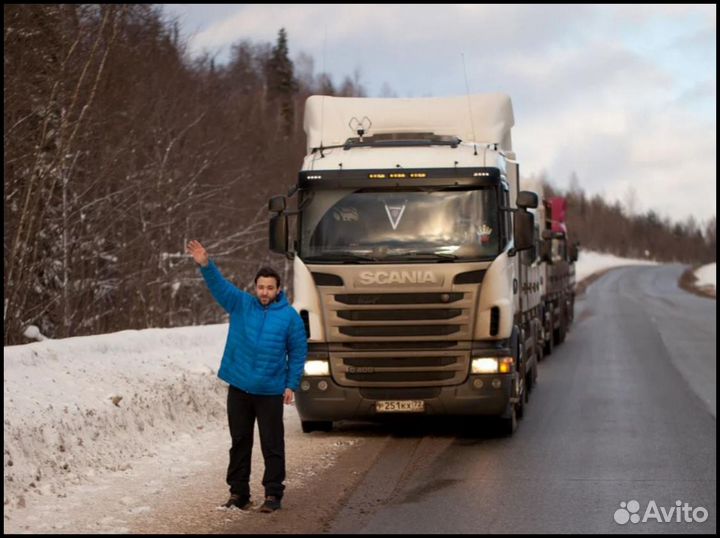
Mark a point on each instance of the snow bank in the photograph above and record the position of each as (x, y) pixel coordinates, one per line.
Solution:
(77, 406)
(590, 262)
(706, 276)
(101, 430)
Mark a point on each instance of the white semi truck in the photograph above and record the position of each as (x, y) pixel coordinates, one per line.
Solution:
(408, 244)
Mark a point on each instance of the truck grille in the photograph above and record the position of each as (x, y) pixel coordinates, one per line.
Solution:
(397, 316)
(408, 340)
(401, 368)
(396, 362)
(400, 330)
(375, 346)
(402, 377)
(398, 298)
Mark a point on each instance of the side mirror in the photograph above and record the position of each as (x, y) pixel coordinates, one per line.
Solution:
(523, 227)
(279, 234)
(527, 200)
(277, 204)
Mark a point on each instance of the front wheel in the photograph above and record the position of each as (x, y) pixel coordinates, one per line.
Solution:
(509, 425)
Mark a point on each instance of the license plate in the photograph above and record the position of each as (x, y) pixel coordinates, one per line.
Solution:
(400, 406)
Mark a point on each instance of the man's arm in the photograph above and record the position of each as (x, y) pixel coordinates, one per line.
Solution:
(222, 290)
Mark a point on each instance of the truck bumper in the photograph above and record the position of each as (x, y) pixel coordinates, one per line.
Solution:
(477, 396)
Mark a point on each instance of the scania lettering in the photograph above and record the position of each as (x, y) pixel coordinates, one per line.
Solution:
(398, 277)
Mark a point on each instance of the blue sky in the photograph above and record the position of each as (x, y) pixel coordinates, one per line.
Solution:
(624, 96)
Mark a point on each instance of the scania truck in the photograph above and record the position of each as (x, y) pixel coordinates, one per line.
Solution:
(408, 239)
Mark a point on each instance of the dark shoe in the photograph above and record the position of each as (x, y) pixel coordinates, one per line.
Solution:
(271, 504)
(238, 501)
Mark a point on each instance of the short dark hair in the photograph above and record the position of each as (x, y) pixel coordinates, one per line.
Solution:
(268, 272)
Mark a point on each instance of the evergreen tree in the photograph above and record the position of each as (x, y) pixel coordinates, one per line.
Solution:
(281, 82)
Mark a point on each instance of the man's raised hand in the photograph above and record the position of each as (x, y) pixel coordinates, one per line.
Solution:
(198, 252)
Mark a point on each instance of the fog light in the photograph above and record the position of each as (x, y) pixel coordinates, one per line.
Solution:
(305, 385)
(323, 385)
(496, 383)
(477, 383)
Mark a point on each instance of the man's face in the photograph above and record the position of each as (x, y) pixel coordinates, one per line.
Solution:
(266, 289)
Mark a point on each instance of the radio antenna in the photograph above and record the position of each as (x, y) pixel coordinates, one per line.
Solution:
(322, 104)
(467, 92)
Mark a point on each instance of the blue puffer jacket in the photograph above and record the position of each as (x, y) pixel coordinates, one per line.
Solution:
(266, 346)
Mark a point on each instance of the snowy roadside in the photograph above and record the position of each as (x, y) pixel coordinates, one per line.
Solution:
(98, 428)
(95, 427)
(706, 278)
(590, 262)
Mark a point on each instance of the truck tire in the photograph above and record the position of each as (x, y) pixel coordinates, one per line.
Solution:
(562, 330)
(522, 380)
(508, 426)
(550, 342)
(316, 425)
(559, 333)
(520, 406)
(530, 380)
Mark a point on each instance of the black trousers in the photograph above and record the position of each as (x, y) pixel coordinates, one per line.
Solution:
(243, 408)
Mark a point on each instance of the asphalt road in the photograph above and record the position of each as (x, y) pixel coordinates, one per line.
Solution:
(623, 411)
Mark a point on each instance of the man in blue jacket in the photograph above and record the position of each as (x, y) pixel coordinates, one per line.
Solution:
(263, 362)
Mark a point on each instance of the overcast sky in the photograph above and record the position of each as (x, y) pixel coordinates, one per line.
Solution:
(623, 96)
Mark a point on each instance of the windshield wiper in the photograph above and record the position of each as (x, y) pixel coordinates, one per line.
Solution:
(340, 257)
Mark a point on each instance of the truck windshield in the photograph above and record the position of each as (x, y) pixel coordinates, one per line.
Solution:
(382, 226)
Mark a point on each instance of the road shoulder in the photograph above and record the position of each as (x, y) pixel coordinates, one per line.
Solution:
(322, 473)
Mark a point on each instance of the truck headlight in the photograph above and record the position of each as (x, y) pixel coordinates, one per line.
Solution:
(316, 368)
(492, 365)
(484, 366)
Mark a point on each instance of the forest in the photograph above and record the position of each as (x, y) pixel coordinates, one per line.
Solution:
(118, 149)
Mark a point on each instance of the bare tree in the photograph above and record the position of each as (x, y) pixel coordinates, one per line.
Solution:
(387, 91)
(118, 149)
